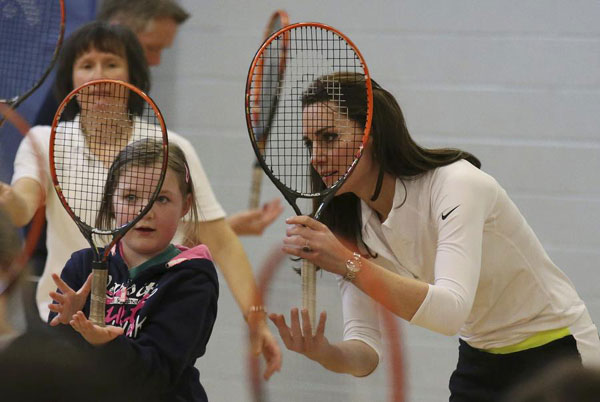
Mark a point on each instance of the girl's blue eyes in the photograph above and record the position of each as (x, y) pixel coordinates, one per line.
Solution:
(131, 198)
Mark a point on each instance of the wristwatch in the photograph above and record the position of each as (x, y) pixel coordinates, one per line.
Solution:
(353, 266)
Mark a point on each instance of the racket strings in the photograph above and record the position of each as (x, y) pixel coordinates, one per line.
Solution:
(30, 32)
(107, 161)
(298, 144)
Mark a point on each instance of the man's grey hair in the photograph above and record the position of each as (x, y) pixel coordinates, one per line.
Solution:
(137, 14)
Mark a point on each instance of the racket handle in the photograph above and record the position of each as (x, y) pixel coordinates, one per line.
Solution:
(309, 291)
(98, 296)
(257, 173)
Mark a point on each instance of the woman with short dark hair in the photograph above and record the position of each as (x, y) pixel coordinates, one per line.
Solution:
(105, 38)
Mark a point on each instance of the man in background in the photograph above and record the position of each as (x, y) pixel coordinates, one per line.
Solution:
(155, 22)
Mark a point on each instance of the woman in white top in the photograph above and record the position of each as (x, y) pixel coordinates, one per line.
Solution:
(443, 247)
(99, 50)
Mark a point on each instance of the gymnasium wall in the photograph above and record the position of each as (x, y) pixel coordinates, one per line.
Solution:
(515, 82)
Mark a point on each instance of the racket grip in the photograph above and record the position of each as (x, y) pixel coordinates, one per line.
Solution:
(98, 296)
(309, 294)
(254, 200)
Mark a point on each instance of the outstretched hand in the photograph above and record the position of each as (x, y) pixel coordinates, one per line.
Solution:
(298, 337)
(68, 302)
(263, 341)
(255, 221)
(92, 333)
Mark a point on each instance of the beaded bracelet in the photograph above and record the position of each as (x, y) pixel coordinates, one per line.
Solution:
(257, 308)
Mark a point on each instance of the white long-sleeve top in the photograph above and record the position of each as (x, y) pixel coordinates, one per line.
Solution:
(489, 278)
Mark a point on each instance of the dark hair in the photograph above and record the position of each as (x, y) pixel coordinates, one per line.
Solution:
(146, 152)
(101, 36)
(136, 14)
(393, 148)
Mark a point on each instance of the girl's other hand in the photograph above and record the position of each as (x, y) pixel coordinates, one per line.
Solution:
(92, 333)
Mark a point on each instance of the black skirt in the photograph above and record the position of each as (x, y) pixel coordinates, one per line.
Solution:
(486, 377)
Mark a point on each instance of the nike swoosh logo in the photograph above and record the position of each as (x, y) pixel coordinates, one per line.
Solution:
(444, 216)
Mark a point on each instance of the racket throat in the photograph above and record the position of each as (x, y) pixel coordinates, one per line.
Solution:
(324, 202)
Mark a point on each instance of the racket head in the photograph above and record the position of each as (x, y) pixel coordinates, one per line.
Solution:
(14, 261)
(109, 160)
(270, 71)
(321, 61)
(31, 34)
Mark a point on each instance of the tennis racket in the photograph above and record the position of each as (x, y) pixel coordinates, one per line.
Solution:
(14, 260)
(31, 33)
(108, 157)
(322, 63)
(269, 75)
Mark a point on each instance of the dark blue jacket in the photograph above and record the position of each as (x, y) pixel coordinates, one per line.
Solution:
(168, 312)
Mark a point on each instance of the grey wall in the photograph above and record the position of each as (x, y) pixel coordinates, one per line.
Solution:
(515, 82)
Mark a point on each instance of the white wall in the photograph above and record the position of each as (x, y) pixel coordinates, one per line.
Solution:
(515, 82)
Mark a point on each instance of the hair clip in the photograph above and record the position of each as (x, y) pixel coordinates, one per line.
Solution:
(187, 173)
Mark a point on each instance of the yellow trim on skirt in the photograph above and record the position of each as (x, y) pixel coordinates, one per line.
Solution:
(534, 341)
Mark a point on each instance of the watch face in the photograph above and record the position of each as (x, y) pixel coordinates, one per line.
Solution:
(352, 267)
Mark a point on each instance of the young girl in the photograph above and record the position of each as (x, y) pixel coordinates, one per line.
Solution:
(161, 298)
(453, 254)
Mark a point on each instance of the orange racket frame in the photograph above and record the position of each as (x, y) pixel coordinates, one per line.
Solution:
(100, 277)
(308, 271)
(257, 173)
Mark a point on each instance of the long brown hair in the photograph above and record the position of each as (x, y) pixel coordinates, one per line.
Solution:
(393, 148)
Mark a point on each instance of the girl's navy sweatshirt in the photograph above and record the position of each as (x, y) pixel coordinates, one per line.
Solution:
(167, 306)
